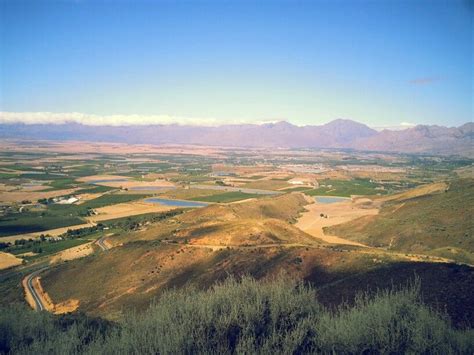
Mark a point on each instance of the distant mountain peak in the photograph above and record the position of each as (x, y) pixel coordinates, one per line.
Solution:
(280, 124)
(345, 122)
(339, 133)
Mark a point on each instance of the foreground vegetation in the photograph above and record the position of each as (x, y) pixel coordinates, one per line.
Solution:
(245, 317)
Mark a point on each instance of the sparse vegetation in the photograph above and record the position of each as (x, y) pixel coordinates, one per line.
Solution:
(438, 223)
(227, 197)
(280, 316)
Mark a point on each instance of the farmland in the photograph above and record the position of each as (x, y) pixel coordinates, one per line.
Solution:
(90, 216)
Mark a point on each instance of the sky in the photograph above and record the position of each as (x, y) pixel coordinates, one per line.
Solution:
(386, 63)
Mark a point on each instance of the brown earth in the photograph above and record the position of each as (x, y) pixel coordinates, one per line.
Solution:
(8, 260)
(312, 223)
(18, 196)
(73, 253)
(126, 209)
(66, 306)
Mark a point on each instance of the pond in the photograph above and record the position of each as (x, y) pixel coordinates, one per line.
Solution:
(330, 199)
(175, 203)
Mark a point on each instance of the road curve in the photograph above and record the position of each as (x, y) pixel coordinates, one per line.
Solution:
(29, 284)
(100, 243)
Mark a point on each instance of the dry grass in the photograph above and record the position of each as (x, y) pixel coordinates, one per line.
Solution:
(76, 252)
(8, 260)
(312, 223)
(18, 196)
(416, 192)
(425, 220)
(66, 306)
(121, 210)
(126, 183)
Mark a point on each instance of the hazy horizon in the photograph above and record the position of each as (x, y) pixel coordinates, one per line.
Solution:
(50, 118)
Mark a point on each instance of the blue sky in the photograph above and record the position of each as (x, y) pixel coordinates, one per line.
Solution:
(307, 62)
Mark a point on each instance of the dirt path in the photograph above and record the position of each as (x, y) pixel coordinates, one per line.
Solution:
(215, 247)
(365, 250)
(313, 223)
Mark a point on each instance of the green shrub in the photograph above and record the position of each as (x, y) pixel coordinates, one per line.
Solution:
(246, 316)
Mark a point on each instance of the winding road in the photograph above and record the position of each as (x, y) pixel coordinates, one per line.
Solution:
(30, 288)
(29, 279)
(100, 243)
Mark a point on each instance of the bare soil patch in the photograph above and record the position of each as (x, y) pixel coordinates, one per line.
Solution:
(18, 196)
(313, 223)
(73, 253)
(8, 260)
(126, 209)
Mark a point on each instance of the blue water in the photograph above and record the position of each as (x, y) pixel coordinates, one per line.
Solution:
(148, 188)
(106, 180)
(175, 203)
(330, 199)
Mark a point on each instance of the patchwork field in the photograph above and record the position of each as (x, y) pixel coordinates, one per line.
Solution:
(82, 220)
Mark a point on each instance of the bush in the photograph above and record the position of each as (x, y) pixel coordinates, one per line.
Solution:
(247, 316)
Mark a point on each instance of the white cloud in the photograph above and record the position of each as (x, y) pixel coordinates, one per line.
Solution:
(407, 124)
(109, 120)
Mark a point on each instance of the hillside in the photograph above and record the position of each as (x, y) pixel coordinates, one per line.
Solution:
(201, 247)
(424, 220)
(256, 238)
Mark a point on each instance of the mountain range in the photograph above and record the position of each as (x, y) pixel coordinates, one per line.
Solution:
(339, 133)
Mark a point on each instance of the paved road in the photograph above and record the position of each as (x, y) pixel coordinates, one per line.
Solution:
(32, 291)
(100, 243)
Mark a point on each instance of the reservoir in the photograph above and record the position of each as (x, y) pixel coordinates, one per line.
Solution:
(330, 199)
(176, 203)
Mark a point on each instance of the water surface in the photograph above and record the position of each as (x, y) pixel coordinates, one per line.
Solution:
(330, 199)
(175, 203)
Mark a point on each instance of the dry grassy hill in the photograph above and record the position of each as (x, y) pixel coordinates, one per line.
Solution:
(207, 245)
(432, 219)
(236, 219)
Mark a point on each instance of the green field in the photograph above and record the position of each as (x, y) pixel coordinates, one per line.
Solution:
(346, 188)
(46, 247)
(58, 216)
(29, 222)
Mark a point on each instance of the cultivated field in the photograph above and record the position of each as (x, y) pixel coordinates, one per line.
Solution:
(79, 212)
